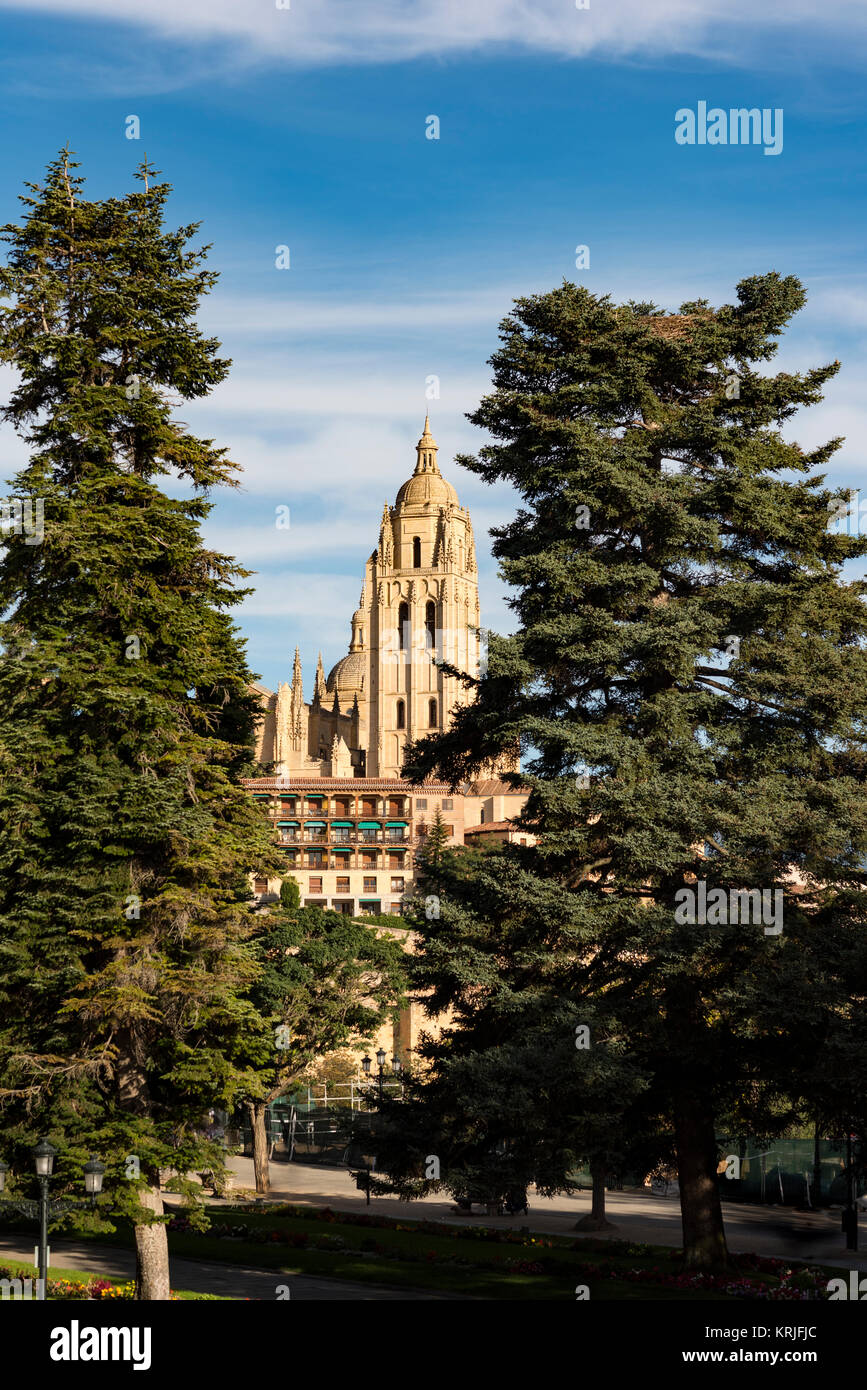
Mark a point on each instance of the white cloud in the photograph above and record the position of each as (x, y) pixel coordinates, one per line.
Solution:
(325, 598)
(326, 386)
(317, 32)
(343, 461)
(262, 544)
(844, 306)
(274, 315)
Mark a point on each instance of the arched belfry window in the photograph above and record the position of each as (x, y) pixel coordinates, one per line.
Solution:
(416, 552)
(432, 714)
(430, 623)
(403, 625)
(401, 714)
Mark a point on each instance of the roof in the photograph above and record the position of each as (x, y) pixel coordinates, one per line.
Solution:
(492, 825)
(348, 674)
(341, 784)
(425, 488)
(496, 787)
(427, 484)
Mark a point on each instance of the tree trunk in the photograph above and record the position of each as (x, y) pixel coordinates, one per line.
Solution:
(597, 1220)
(152, 1252)
(260, 1146)
(704, 1241)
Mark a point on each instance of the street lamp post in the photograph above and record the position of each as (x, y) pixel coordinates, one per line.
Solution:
(363, 1178)
(396, 1067)
(40, 1211)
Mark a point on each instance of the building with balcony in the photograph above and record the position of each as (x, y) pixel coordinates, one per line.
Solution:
(351, 844)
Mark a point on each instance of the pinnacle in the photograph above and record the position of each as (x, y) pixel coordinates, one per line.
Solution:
(427, 451)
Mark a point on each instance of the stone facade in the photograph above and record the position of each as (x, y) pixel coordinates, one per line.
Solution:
(419, 605)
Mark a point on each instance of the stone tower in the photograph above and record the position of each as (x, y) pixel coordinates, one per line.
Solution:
(424, 605)
(419, 604)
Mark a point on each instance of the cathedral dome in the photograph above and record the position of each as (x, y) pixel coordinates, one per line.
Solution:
(347, 676)
(426, 487)
(427, 484)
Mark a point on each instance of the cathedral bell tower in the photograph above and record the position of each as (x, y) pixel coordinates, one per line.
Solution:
(419, 605)
(422, 598)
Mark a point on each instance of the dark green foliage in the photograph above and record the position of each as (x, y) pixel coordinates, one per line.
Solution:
(325, 982)
(126, 719)
(290, 893)
(688, 684)
(531, 1079)
(429, 856)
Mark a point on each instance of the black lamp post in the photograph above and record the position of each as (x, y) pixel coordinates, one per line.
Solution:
(362, 1179)
(43, 1159)
(396, 1067)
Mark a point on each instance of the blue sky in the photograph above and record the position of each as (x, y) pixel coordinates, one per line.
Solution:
(306, 127)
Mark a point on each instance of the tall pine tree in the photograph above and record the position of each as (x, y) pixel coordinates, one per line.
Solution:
(688, 684)
(126, 718)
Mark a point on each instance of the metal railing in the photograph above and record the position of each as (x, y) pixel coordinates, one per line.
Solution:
(337, 812)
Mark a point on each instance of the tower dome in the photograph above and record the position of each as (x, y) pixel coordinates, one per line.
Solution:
(427, 486)
(347, 677)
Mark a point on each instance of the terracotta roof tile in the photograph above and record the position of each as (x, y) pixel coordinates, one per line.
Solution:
(492, 825)
(496, 787)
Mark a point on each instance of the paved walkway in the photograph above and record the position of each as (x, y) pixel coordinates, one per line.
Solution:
(780, 1231)
(204, 1276)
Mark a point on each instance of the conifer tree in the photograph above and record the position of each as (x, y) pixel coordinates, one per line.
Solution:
(526, 1082)
(126, 717)
(688, 684)
(290, 893)
(429, 856)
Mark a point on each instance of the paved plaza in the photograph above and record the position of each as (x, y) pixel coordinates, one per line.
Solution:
(781, 1231)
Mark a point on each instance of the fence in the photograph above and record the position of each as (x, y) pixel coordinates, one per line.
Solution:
(313, 1125)
(791, 1172)
(350, 1095)
(787, 1172)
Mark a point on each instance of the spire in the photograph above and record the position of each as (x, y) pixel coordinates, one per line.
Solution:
(319, 687)
(357, 641)
(296, 716)
(427, 451)
(384, 552)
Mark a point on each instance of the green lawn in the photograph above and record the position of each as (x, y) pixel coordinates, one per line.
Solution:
(471, 1262)
(460, 1260)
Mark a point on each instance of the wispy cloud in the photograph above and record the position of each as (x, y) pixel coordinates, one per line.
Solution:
(308, 33)
(276, 315)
